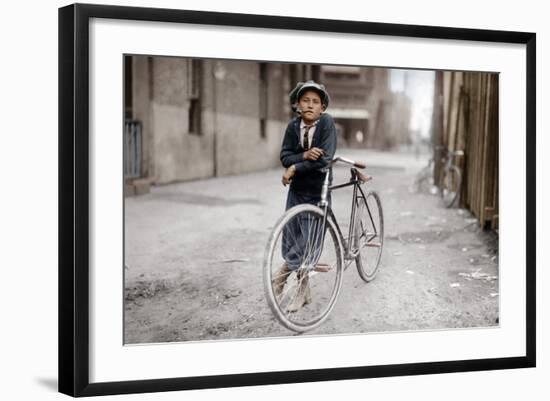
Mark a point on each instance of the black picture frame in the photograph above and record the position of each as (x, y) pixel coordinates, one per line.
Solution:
(74, 193)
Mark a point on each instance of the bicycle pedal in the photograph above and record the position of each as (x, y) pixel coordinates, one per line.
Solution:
(322, 268)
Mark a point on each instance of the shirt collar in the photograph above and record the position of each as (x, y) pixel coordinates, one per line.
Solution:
(303, 124)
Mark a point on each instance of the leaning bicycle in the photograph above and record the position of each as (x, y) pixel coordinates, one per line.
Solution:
(450, 178)
(313, 236)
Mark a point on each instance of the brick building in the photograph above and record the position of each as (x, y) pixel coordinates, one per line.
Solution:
(367, 112)
(191, 119)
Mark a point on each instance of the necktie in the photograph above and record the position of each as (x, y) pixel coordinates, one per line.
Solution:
(306, 136)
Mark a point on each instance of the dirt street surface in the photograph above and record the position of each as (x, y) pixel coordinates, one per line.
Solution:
(194, 256)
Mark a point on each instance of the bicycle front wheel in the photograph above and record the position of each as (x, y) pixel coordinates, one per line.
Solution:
(303, 268)
(450, 185)
(369, 235)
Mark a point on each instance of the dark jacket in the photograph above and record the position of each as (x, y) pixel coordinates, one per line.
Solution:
(308, 179)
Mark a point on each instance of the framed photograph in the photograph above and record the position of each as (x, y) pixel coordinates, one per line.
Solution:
(251, 199)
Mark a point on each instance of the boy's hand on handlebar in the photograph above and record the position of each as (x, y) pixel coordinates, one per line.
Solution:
(287, 176)
(313, 154)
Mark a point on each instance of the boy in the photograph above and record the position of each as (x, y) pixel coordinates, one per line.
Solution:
(309, 144)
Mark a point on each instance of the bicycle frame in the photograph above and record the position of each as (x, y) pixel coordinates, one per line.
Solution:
(448, 157)
(323, 204)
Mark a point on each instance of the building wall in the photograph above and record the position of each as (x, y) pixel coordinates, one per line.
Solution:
(178, 155)
(244, 111)
(470, 123)
(233, 99)
(240, 146)
(377, 104)
(392, 122)
(142, 94)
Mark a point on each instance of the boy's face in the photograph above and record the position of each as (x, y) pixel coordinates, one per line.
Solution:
(311, 106)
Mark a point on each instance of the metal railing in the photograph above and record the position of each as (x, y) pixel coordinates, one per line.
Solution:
(132, 148)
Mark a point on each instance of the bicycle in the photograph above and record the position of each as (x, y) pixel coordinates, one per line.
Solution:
(424, 180)
(322, 250)
(450, 177)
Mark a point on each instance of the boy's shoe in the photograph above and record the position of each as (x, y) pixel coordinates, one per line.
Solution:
(303, 294)
(279, 280)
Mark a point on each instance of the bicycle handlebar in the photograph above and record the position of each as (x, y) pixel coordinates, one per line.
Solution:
(439, 148)
(348, 161)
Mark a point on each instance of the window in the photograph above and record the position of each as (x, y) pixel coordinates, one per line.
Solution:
(263, 100)
(128, 80)
(194, 73)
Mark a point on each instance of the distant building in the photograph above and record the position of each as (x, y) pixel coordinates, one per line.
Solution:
(189, 119)
(367, 113)
(393, 119)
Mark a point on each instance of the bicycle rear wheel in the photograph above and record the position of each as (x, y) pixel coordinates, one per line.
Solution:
(309, 245)
(369, 234)
(450, 185)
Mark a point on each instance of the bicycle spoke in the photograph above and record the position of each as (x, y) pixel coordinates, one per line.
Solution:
(308, 242)
(300, 280)
(308, 295)
(288, 287)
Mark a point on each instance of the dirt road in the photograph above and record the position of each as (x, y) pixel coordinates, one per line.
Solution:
(194, 258)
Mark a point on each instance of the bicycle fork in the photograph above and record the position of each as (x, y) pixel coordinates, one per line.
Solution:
(323, 204)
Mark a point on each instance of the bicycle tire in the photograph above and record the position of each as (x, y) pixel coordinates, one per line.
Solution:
(369, 235)
(324, 286)
(424, 180)
(450, 185)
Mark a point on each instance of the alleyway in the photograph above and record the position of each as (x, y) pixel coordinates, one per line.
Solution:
(194, 259)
